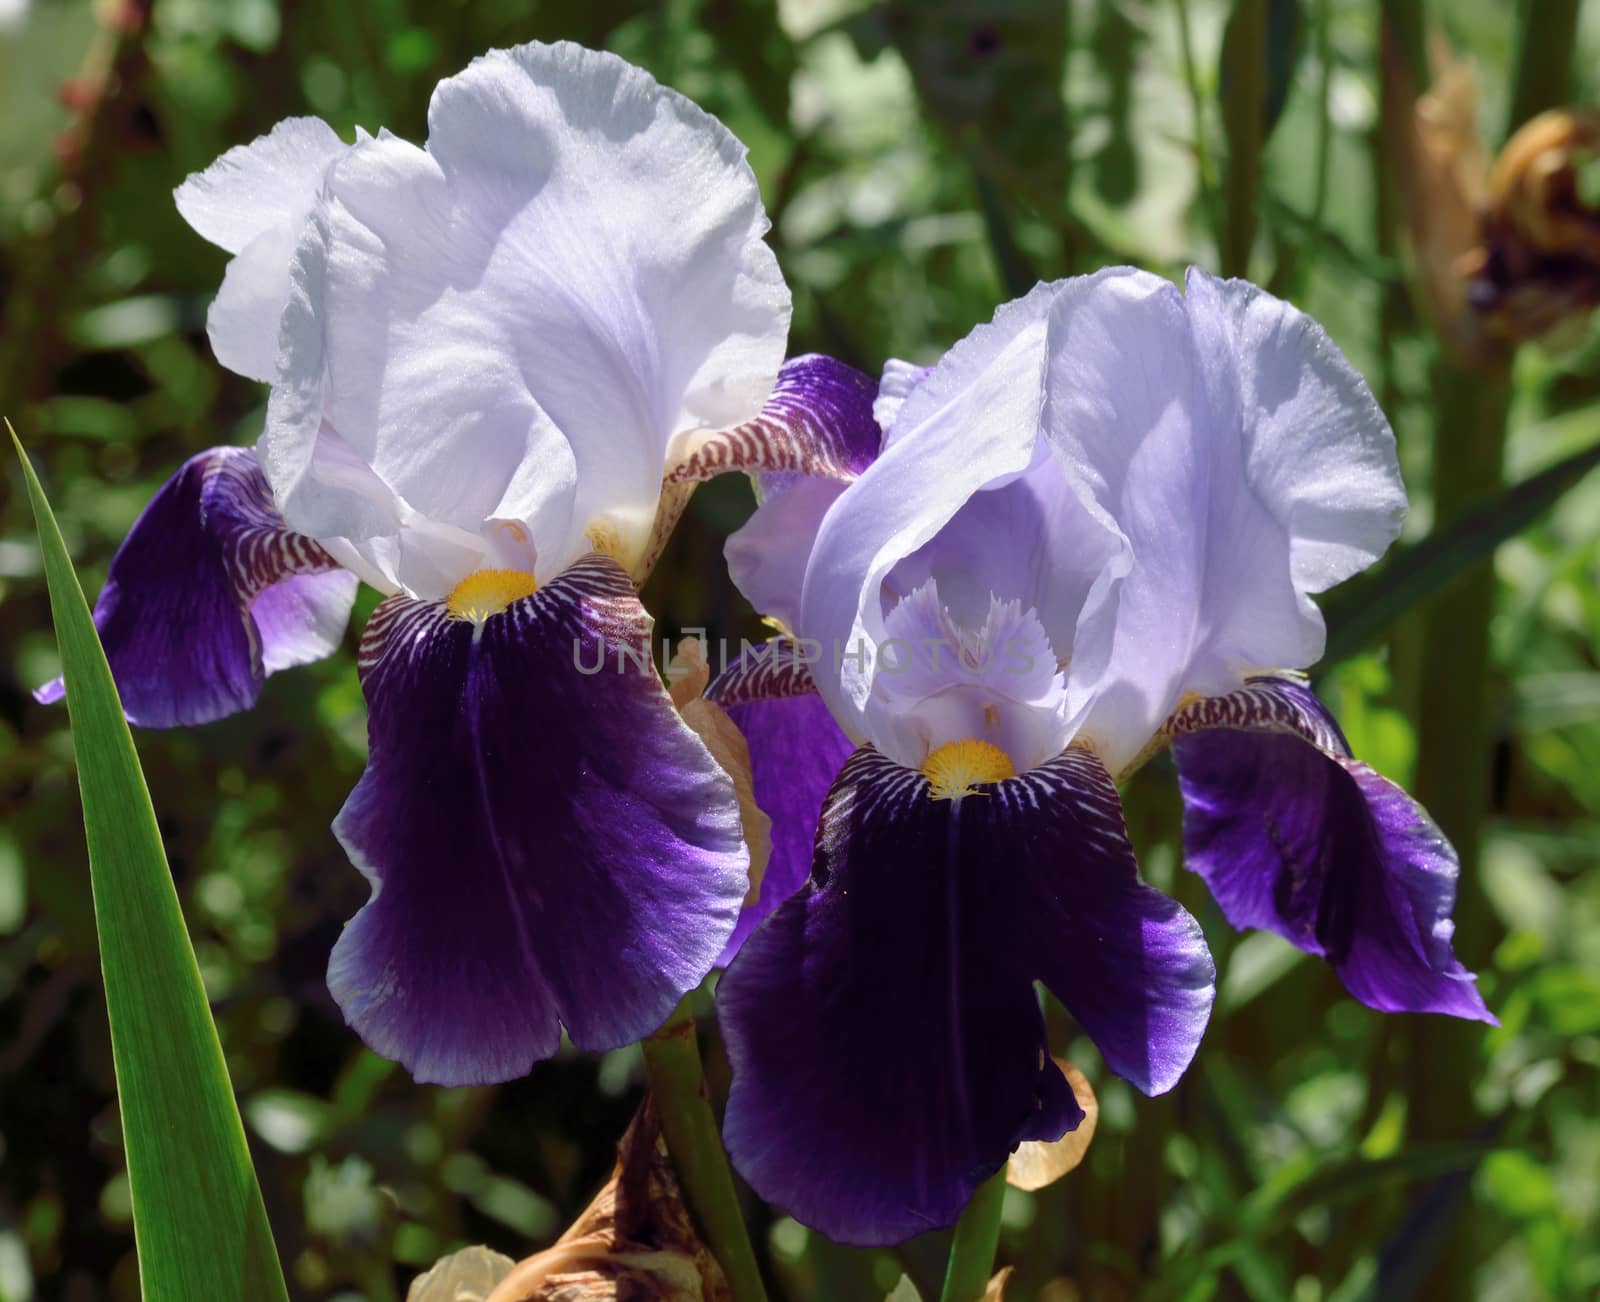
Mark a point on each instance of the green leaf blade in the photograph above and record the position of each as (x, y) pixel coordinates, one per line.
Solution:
(1362, 611)
(199, 1220)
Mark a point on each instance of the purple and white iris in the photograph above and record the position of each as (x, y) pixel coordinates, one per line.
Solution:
(1090, 531)
(498, 365)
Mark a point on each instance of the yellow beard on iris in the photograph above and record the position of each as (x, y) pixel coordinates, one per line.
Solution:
(485, 593)
(957, 768)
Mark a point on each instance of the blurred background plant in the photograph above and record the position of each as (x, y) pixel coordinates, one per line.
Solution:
(921, 162)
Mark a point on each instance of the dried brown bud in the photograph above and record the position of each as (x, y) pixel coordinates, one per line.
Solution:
(1035, 1164)
(689, 675)
(635, 1241)
(1539, 262)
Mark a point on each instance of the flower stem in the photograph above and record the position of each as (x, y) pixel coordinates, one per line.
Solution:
(966, 1279)
(1544, 59)
(1455, 734)
(1197, 102)
(672, 1062)
(1244, 62)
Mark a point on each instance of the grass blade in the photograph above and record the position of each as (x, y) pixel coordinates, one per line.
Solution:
(199, 1220)
(1361, 612)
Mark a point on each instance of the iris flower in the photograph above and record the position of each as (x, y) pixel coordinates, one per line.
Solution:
(1091, 531)
(498, 365)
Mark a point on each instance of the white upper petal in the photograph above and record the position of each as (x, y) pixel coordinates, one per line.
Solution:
(514, 322)
(253, 202)
(268, 184)
(768, 555)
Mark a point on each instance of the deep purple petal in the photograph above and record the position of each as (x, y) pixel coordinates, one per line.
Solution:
(796, 751)
(885, 1038)
(818, 421)
(209, 593)
(1294, 836)
(1128, 962)
(546, 845)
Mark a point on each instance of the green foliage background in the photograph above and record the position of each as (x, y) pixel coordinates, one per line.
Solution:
(921, 162)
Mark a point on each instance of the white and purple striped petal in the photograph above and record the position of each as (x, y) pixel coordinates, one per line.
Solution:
(209, 593)
(548, 843)
(817, 422)
(885, 1039)
(1295, 836)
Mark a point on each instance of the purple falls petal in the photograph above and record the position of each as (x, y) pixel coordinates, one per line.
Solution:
(1296, 837)
(209, 593)
(796, 751)
(548, 843)
(887, 1047)
(818, 422)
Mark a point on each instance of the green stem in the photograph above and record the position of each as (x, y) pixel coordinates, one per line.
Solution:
(1319, 200)
(1471, 399)
(1244, 60)
(1202, 153)
(1544, 58)
(1407, 26)
(966, 1279)
(672, 1062)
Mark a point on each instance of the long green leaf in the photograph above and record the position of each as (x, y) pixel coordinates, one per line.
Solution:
(1361, 612)
(199, 1220)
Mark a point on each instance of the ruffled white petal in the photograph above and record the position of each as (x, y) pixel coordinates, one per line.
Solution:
(1207, 462)
(253, 202)
(242, 322)
(512, 324)
(268, 184)
(1319, 451)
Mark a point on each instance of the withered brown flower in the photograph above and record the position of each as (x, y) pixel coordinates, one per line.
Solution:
(633, 1243)
(1539, 262)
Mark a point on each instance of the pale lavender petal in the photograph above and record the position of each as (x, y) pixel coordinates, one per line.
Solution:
(303, 619)
(253, 201)
(1028, 539)
(768, 555)
(971, 423)
(894, 387)
(547, 845)
(939, 682)
(1242, 462)
(269, 183)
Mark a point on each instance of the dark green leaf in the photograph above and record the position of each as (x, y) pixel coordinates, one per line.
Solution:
(199, 1220)
(1361, 612)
